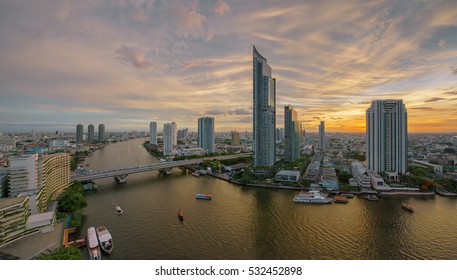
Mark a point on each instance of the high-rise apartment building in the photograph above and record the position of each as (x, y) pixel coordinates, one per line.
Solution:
(206, 134)
(153, 133)
(167, 139)
(235, 138)
(291, 134)
(101, 133)
(175, 134)
(90, 133)
(79, 133)
(264, 112)
(387, 136)
(322, 136)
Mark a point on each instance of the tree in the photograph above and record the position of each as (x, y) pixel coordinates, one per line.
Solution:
(344, 177)
(64, 253)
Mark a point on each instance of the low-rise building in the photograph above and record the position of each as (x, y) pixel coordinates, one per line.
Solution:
(288, 176)
(361, 174)
(435, 167)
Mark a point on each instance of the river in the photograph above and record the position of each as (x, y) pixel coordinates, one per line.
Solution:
(255, 223)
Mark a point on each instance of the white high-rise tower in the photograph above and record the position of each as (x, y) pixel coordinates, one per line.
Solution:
(387, 136)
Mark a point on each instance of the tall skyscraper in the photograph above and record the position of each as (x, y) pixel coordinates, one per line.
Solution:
(264, 111)
(167, 139)
(235, 138)
(101, 133)
(153, 133)
(322, 136)
(79, 133)
(206, 133)
(292, 134)
(90, 133)
(387, 136)
(175, 134)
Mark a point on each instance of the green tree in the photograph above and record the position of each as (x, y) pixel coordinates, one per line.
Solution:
(64, 253)
(344, 177)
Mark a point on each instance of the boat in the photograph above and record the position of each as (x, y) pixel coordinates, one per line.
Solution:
(312, 197)
(104, 239)
(180, 215)
(340, 199)
(348, 195)
(371, 197)
(92, 244)
(119, 210)
(203, 196)
(195, 174)
(407, 207)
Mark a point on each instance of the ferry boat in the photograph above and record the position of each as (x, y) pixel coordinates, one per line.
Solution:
(203, 196)
(104, 239)
(312, 197)
(340, 199)
(371, 197)
(92, 244)
(180, 215)
(119, 210)
(407, 207)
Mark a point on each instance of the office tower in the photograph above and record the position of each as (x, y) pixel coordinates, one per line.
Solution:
(23, 174)
(322, 136)
(235, 138)
(279, 134)
(79, 133)
(175, 134)
(167, 139)
(101, 133)
(387, 136)
(185, 133)
(90, 133)
(291, 134)
(33, 132)
(264, 111)
(206, 133)
(153, 133)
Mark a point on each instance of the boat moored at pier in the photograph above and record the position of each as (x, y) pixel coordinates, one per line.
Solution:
(104, 239)
(92, 244)
(312, 197)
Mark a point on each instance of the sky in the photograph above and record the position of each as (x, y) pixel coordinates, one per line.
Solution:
(128, 62)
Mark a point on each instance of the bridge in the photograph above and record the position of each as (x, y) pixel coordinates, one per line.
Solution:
(120, 174)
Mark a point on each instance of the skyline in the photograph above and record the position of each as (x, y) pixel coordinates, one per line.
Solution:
(128, 63)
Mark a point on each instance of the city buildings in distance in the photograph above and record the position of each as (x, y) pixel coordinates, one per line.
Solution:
(206, 134)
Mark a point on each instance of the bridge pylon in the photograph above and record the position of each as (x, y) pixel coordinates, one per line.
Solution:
(121, 179)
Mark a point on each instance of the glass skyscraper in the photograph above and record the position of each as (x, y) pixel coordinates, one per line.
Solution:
(206, 134)
(153, 133)
(292, 131)
(264, 111)
(387, 136)
(79, 133)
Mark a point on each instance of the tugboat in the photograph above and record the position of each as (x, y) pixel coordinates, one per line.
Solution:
(180, 215)
(407, 207)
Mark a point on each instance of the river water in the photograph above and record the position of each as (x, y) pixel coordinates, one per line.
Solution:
(255, 223)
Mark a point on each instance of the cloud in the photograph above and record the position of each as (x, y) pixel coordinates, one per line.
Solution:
(435, 99)
(221, 8)
(133, 56)
(451, 92)
(336, 118)
(316, 118)
(442, 43)
(215, 112)
(241, 112)
(454, 70)
(423, 108)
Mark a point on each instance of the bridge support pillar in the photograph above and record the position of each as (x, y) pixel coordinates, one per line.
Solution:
(121, 179)
(166, 171)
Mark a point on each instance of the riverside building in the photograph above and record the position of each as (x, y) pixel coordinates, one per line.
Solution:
(153, 133)
(292, 134)
(206, 134)
(387, 136)
(264, 111)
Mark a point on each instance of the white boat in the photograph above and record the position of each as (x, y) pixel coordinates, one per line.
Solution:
(119, 210)
(104, 239)
(92, 245)
(312, 197)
